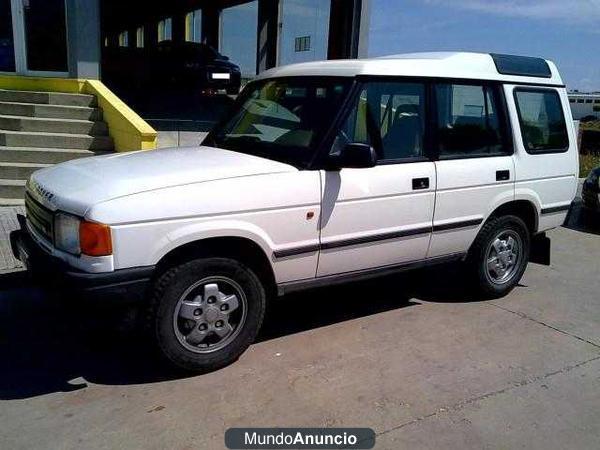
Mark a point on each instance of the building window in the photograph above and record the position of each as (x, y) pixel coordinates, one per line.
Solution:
(542, 120)
(193, 26)
(571, 100)
(596, 101)
(596, 108)
(589, 100)
(302, 44)
(238, 36)
(580, 100)
(139, 37)
(164, 29)
(124, 39)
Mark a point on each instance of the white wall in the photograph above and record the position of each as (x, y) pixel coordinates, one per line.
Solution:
(300, 18)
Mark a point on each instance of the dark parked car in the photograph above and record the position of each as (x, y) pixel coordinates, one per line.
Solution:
(591, 191)
(169, 64)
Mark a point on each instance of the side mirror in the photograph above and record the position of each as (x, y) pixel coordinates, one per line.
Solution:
(357, 156)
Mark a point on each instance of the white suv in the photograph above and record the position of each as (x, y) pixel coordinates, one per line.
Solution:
(324, 172)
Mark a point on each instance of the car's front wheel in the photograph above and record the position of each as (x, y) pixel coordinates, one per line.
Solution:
(206, 312)
(499, 256)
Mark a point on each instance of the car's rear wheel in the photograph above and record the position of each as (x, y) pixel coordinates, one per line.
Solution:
(206, 312)
(499, 256)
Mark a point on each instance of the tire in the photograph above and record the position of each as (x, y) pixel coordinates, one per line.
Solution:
(491, 282)
(185, 324)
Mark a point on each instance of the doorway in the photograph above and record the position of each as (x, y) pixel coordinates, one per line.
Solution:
(38, 44)
(7, 46)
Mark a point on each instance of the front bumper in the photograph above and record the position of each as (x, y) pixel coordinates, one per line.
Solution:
(50, 271)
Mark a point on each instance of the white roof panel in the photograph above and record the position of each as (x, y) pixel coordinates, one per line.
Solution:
(462, 65)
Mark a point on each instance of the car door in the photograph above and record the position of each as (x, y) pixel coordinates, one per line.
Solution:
(545, 151)
(380, 216)
(475, 168)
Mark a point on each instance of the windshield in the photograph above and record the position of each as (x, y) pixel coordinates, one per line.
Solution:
(282, 118)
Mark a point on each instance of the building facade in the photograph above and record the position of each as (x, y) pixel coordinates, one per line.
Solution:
(65, 38)
(585, 105)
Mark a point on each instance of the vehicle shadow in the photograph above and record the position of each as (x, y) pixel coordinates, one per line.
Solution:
(51, 344)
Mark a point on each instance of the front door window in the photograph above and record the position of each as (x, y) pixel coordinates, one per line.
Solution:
(390, 116)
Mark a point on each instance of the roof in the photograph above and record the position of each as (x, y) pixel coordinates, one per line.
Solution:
(479, 66)
(584, 94)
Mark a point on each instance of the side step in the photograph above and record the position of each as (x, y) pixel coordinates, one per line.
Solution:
(50, 111)
(47, 98)
(19, 123)
(55, 140)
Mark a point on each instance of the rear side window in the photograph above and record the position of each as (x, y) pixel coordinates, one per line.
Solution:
(542, 121)
(469, 121)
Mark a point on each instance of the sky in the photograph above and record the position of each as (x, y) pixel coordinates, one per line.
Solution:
(565, 31)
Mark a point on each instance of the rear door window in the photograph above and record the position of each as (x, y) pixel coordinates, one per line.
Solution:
(469, 121)
(542, 120)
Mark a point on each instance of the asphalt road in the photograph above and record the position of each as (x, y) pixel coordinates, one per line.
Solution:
(411, 356)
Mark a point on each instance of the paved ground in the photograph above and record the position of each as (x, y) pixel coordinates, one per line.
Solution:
(410, 356)
(8, 223)
(179, 138)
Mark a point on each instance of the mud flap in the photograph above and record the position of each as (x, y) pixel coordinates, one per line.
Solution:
(540, 249)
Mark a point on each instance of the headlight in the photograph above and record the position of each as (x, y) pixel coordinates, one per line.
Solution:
(77, 236)
(66, 233)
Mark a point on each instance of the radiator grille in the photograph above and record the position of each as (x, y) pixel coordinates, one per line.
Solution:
(40, 217)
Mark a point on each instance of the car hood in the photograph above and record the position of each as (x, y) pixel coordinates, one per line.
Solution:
(76, 185)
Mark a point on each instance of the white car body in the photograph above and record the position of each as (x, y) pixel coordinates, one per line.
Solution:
(313, 224)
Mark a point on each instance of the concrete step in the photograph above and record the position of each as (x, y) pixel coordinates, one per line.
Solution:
(12, 189)
(12, 201)
(19, 171)
(19, 123)
(42, 155)
(50, 111)
(55, 140)
(47, 98)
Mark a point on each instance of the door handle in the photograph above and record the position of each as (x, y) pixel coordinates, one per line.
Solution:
(420, 183)
(502, 175)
